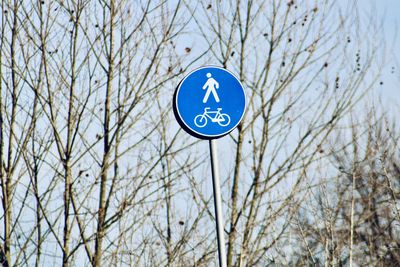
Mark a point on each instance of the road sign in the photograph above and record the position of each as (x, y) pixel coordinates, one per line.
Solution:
(209, 102)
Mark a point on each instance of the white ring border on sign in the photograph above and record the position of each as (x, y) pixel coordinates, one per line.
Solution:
(196, 132)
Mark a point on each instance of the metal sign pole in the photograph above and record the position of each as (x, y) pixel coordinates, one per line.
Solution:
(217, 203)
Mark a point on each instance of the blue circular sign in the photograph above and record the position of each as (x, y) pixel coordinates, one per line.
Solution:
(209, 102)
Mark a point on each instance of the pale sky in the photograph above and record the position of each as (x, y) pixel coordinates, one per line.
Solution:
(389, 11)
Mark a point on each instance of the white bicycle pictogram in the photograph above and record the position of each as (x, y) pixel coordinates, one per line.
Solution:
(221, 118)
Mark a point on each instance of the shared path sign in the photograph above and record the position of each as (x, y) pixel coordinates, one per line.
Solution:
(209, 102)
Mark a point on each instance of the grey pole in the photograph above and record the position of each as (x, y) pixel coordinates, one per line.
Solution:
(217, 203)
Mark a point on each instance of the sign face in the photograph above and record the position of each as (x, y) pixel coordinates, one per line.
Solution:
(209, 102)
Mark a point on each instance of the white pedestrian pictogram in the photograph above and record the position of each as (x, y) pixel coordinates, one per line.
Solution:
(211, 86)
(221, 118)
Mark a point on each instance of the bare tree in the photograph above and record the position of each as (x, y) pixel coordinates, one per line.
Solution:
(94, 170)
(304, 69)
(78, 80)
(354, 218)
